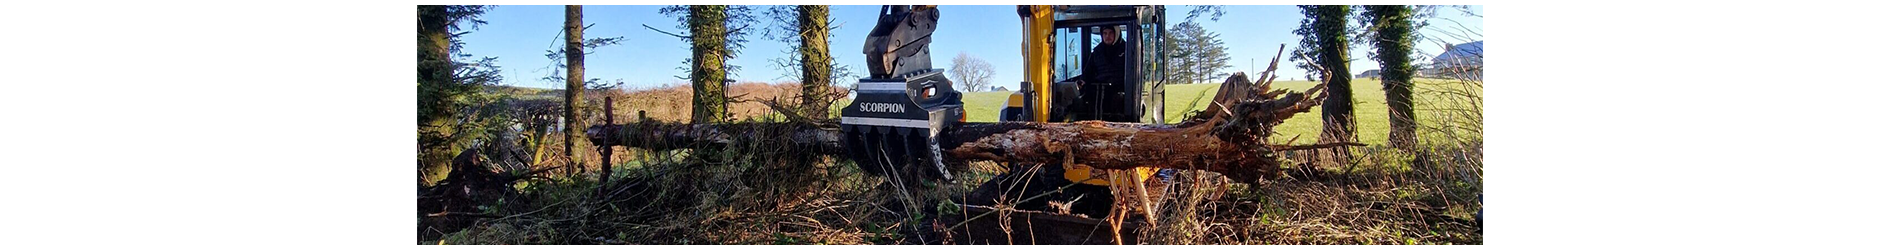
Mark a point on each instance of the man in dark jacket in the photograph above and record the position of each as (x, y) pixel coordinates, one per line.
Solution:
(1102, 83)
(1105, 63)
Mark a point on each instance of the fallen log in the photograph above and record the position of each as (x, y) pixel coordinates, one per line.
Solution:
(656, 135)
(1229, 137)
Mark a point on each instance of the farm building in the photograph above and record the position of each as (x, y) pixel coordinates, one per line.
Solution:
(1370, 73)
(1464, 61)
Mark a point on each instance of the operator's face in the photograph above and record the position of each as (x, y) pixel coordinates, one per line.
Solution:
(1111, 34)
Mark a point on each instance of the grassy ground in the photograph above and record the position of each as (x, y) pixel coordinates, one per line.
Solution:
(757, 193)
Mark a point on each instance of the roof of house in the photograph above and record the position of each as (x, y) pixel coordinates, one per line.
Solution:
(1471, 49)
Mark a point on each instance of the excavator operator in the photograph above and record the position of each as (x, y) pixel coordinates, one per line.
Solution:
(1105, 63)
(1101, 80)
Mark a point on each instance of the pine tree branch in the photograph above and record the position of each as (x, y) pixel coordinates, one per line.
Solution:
(664, 32)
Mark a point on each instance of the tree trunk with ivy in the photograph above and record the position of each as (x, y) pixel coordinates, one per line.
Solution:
(1329, 25)
(575, 63)
(1393, 27)
(708, 28)
(815, 57)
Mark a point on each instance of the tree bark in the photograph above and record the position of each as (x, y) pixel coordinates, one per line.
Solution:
(435, 71)
(606, 152)
(815, 58)
(708, 27)
(575, 67)
(1336, 114)
(1393, 25)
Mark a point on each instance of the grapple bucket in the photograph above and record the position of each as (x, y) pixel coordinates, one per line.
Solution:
(891, 127)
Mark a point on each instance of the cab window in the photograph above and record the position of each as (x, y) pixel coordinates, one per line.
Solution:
(1068, 56)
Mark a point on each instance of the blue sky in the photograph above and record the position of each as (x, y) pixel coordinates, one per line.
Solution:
(519, 35)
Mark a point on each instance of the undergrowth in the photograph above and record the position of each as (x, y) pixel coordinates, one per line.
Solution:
(768, 192)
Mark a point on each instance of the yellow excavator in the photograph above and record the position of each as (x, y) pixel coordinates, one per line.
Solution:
(1075, 70)
(1080, 63)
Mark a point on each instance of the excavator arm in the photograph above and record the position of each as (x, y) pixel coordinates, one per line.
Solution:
(900, 43)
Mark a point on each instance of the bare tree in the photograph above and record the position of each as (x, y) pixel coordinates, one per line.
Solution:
(575, 66)
(971, 73)
(795, 25)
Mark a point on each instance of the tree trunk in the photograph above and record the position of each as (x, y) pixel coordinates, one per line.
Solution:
(1394, 48)
(1231, 141)
(435, 71)
(815, 58)
(1336, 113)
(708, 24)
(575, 67)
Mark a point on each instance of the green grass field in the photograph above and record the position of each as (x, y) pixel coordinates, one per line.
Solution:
(984, 106)
(1369, 107)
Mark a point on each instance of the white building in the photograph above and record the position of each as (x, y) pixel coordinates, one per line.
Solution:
(1371, 73)
(1463, 61)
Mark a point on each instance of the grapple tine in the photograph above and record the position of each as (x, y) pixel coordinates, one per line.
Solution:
(868, 151)
(936, 160)
(909, 157)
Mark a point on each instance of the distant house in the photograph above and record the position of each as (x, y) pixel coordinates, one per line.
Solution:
(1464, 61)
(1371, 73)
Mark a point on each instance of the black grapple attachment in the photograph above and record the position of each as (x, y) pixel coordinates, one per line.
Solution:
(892, 127)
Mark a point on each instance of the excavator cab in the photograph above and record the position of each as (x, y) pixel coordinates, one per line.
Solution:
(1070, 76)
(1082, 85)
